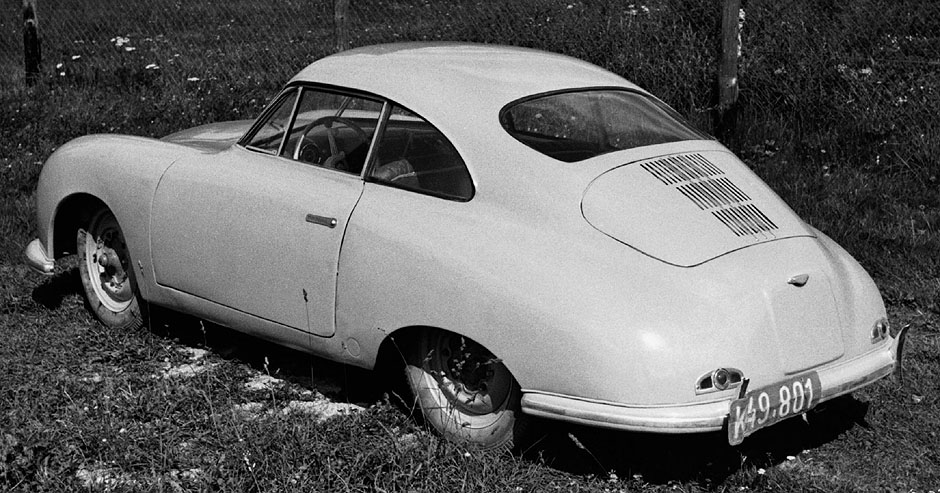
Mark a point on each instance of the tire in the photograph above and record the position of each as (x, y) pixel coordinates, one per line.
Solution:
(464, 392)
(107, 272)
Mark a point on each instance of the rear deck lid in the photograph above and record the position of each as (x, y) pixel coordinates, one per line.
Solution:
(688, 208)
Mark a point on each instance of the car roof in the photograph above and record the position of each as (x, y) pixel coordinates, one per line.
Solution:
(460, 88)
(476, 77)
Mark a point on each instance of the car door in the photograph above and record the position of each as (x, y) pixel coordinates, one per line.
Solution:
(258, 227)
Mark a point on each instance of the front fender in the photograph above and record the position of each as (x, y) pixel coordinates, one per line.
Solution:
(119, 172)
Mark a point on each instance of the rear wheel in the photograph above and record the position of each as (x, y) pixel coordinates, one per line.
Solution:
(465, 392)
(107, 273)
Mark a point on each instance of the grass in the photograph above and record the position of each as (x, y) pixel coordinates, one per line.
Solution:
(87, 406)
(837, 113)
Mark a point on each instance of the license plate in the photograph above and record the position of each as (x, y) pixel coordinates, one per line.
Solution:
(771, 404)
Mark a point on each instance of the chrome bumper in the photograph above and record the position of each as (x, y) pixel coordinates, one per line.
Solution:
(835, 380)
(37, 259)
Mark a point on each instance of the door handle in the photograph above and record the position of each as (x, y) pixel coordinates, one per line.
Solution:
(329, 222)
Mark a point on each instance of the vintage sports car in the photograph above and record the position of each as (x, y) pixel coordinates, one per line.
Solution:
(522, 233)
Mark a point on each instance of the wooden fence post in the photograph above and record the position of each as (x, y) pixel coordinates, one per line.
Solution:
(340, 31)
(726, 114)
(32, 45)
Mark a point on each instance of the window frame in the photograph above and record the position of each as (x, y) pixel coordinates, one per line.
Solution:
(380, 133)
(266, 115)
(304, 88)
(297, 89)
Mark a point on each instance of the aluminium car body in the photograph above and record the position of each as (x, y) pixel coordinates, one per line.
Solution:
(640, 285)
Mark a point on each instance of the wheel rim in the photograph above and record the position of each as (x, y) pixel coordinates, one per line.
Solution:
(107, 261)
(470, 377)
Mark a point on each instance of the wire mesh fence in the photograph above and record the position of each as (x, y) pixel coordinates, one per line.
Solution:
(92, 40)
(865, 74)
(866, 71)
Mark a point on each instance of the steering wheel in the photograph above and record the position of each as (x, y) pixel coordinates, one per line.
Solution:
(311, 152)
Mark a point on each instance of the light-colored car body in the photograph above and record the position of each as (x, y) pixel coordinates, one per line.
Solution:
(605, 288)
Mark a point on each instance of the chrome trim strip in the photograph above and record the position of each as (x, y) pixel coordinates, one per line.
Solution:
(675, 419)
(835, 380)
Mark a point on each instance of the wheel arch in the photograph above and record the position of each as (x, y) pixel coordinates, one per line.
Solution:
(392, 351)
(74, 211)
(71, 212)
(391, 360)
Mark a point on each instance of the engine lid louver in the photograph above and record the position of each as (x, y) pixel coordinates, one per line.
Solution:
(709, 188)
(688, 208)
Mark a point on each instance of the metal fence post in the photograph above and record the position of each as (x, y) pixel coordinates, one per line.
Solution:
(725, 117)
(341, 33)
(32, 45)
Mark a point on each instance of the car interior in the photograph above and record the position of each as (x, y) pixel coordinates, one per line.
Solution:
(411, 154)
(415, 155)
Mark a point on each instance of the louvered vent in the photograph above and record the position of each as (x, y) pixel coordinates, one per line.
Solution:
(707, 186)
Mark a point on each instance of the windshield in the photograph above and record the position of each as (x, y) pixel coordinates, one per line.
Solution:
(573, 126)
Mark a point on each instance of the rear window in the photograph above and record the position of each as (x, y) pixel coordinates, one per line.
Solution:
(578, 125)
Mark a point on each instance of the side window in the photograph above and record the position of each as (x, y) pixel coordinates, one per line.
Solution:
(268, 137)
(332, 130)
(414, 155)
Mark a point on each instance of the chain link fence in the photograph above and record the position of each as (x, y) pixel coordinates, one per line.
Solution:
(866, 71)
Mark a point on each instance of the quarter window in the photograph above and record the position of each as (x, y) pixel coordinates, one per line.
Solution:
(414, 155)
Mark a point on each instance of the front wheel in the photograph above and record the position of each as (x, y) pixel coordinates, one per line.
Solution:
(465, 392)
(107, 273)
